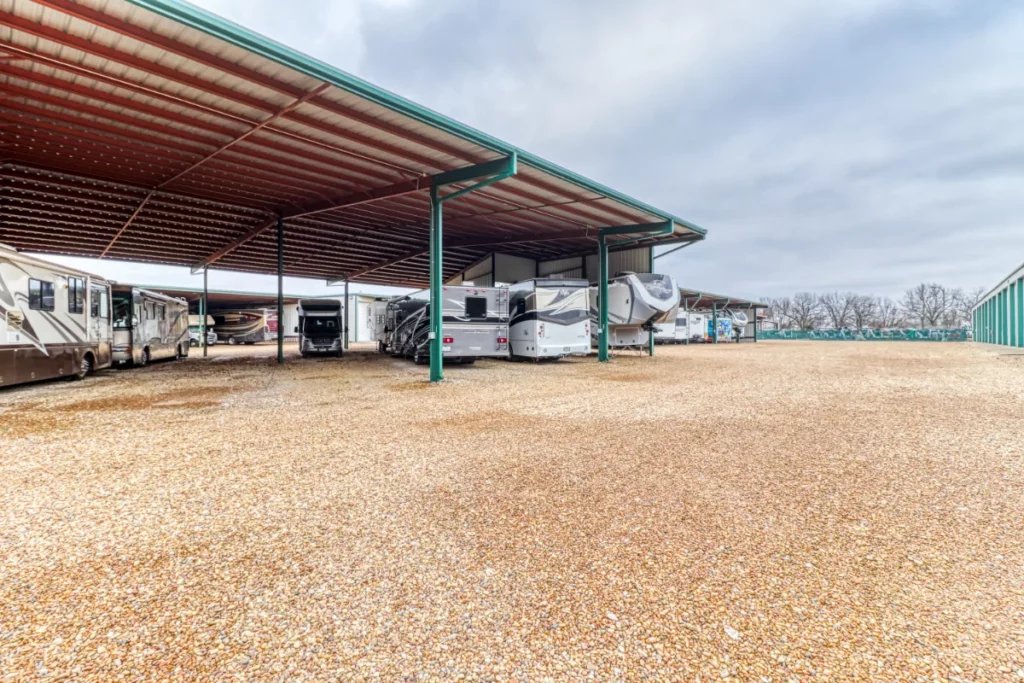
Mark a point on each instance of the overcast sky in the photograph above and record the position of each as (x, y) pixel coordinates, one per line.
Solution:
(845, 144)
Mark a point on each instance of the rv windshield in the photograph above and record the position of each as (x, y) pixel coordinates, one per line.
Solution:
(320, 325)
(122, 311)
(659, 286)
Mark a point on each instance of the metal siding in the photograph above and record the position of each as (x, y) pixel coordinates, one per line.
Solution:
(509, 269)
(637, 260)
(561, 265)
(479, 272)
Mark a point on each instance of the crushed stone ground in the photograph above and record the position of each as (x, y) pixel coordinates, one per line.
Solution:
(772, 512)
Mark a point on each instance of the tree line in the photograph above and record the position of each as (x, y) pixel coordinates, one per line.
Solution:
(927, 305)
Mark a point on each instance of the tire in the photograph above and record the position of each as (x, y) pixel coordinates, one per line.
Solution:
(381, 348)
(231, 341)
(85, 366)
(145, 358)
(249, 343)
(177, 352)
(193, 343)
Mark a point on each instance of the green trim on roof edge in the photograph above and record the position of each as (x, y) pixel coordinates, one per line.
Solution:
(218, 27)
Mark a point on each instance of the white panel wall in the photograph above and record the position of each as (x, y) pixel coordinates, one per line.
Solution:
(509, 269)
(563, 267)
(636, 260)
(479, 273)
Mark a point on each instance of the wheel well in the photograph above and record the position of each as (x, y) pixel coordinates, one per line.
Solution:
(91, 358)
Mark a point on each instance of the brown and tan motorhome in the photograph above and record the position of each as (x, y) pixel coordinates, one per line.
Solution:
(54, 320)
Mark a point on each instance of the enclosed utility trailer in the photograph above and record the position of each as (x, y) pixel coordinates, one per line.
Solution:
(549, 318)
(320, 327)
(54, 320)
(148, 326)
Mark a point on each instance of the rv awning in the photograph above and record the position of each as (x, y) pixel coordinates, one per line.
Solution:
(150, 130)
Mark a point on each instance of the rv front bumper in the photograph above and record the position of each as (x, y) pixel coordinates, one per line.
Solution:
(121, 353)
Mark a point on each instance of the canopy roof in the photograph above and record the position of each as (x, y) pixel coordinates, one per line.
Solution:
(151, 130)
(695, 300)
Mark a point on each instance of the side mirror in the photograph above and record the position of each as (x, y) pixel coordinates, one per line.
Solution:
(296, 329)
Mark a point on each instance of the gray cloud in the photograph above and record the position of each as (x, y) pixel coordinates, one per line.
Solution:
(863, 144)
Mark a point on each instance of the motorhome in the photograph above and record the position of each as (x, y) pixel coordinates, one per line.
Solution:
(320, 327)
(636, 302)
(148, 326)
(195, 331)
(245, 326)
(54, 320)
(474, 325)
(549, 318)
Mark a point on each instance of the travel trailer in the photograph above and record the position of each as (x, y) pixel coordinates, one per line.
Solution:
(474, 325)
(665, 333)
(636, 302)
(549, 318)
(54, 320)
(195, 331)
(148, 326)
(320, 327)
(690, 326)
(245, 326)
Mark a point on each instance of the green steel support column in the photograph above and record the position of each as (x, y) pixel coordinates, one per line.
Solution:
(280, 290)
(602, 298)
(714, 323)
(436, 320)
(755, 325)
(650, 333)
(206, 307)
(345, 337)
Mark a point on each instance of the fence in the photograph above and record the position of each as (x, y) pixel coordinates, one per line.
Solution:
(845, 334)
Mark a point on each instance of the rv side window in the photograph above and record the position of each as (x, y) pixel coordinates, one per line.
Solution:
(476, 307)
(150, 310)
(161, 311)
(76, 295)
(40, 295)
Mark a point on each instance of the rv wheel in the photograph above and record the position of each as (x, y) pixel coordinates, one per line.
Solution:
(85, 367)
(144, 361)
(381, 348)
(231, 341)
(177, 352)
(193, 342)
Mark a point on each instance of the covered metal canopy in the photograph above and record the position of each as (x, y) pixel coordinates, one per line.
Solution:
(696, 300)
(151, 130)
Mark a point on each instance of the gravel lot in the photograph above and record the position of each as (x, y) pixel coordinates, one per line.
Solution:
(785, 511)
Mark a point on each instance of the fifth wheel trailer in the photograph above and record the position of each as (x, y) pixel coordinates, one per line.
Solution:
(54, 320)
(636, 302)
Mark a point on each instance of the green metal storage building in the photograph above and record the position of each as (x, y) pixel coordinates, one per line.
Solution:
(999, 318)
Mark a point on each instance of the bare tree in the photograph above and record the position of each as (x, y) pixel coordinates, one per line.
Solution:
(888, 313)
(837, 308)
(864, 309)
(967, 302)
(806, 311)
(780, 312)
(928, 304)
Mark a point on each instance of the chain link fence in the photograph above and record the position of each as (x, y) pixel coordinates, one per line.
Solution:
(893, 334)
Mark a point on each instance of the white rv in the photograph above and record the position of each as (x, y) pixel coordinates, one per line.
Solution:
(636, 302)
(665, 333)
(320, 327)
(195, 331)
(54, 321)
(690, 326)
(148, 326)
(549, 318)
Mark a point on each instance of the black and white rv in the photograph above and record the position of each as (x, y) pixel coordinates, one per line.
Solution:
(320, 327)
(474, 325)
(549, 318)
(54, 321)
